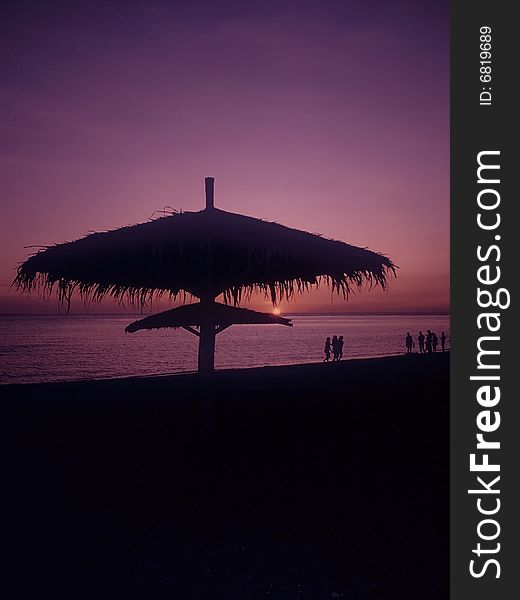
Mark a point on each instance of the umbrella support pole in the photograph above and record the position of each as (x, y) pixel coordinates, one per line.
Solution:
(207, 349)
(207, 335)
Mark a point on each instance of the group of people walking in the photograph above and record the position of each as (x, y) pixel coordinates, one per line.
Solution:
(427, 343)
(334, 346)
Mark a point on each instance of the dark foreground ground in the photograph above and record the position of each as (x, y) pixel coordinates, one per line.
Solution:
(317, 481)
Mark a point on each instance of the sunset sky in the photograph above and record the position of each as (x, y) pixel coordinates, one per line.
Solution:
(327, 116)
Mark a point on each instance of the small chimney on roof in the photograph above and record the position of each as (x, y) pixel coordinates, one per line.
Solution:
(210, 184)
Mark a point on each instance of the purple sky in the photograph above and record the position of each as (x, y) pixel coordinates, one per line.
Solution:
(331, 117)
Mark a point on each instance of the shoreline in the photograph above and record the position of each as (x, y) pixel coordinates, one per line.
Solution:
(229, 371)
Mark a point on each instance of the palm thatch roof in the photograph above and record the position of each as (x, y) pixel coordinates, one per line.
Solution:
(205, 253)
(218, 314)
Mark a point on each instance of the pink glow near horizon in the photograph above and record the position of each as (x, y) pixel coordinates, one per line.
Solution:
(312, 118)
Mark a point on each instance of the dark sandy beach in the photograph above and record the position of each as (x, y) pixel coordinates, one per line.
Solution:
(316, 481)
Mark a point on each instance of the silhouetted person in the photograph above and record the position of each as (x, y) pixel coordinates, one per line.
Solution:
(443, 341)
(340, 347)
(435, 342)
(327, 350)
(429, 340)
(409, 343)
(420, 339)
(335, 348)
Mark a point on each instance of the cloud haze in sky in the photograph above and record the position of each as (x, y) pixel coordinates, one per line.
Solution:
(331, 117)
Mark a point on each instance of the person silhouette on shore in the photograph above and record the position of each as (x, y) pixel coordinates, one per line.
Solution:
(327, 350)
(435, 342)
(340, 347)
(409, 343)
(428, 342)
(443, 341)
(334, 348)
(420, 339)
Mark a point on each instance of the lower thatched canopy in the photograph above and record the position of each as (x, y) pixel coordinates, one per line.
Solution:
(191, 315)
(204, 253)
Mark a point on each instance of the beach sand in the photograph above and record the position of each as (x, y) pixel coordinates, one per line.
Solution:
(312, 481)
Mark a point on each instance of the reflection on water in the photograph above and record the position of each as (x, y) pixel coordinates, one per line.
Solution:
(56, 348)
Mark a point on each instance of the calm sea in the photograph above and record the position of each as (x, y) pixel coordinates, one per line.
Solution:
(57, 348)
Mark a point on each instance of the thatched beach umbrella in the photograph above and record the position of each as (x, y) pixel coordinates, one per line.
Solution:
(205, 254)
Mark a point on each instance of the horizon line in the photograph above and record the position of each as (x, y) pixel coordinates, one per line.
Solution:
(322, 313)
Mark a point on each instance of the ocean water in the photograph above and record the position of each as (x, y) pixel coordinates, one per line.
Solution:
(58, 348)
